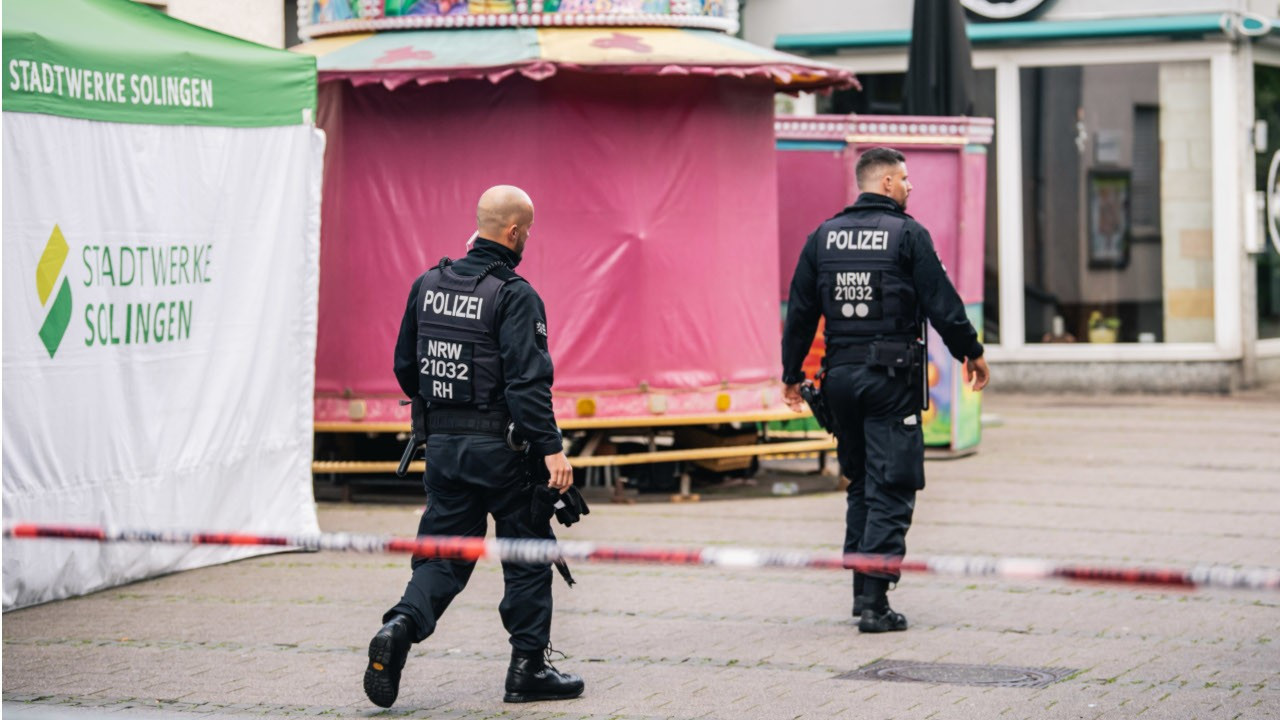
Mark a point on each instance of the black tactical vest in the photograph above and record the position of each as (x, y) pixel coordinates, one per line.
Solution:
(865, 291)
(459, 363)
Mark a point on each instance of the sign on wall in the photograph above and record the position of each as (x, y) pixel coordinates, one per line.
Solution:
(1002, 9)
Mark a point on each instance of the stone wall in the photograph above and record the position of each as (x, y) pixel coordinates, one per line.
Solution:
(1269, 370)
(1110, 377)
(1186, 212)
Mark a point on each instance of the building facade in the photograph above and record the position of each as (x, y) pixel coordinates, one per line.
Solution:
(262, 21)
(1133, 217)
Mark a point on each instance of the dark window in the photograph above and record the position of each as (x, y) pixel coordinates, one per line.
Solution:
(291, 23)
(1117, 226)
(1146, 172)
(881, 94)
(1266, 92)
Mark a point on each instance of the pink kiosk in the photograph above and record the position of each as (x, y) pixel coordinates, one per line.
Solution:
(948, 165)
(644, 133)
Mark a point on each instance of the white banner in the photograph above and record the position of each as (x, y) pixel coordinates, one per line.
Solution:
(160, 292)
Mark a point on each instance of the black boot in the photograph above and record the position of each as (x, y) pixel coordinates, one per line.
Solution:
(880, 619)
(877, 616)
(530, 677)
(387, 653)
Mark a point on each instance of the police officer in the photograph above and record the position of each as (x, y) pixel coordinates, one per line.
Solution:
(873, 274)
(473, 346)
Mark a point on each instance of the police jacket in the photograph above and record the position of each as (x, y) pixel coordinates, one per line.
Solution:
(873, 271)
(524, 370)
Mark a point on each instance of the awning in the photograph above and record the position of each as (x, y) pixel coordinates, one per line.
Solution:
(1028, 31)
(119, 61)
(425, 56)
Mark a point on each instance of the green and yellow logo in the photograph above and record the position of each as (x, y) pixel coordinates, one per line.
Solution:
(47, 272)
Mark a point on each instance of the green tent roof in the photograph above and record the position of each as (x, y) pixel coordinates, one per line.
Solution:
(118, 61)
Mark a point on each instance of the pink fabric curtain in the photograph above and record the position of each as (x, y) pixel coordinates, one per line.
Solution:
(655, 241)
(811, 188)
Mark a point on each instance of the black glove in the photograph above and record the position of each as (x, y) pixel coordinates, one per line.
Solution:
(568, 507)
(572, 507)
(542, 505)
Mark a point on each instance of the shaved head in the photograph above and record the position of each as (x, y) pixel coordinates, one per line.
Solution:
(504, 215)
(884, 171)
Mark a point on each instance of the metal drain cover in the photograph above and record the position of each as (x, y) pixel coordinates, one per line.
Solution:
(958, 674)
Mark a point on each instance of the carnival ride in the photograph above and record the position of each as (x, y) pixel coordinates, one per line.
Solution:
(645, 133)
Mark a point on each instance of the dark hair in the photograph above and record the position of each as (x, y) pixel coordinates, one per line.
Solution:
(870, 162)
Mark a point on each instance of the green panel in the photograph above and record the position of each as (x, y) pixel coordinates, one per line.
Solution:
(942, 391)
(835, 40)
(118, 61)
(937, 430)
(59, 317)
(810, 145)
(968, 405)
(1177, 25)
(394, 8)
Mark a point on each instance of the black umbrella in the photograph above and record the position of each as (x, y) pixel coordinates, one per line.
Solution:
(939, 62)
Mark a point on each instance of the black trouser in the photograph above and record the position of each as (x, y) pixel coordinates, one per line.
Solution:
(881, 450)
(468, 478)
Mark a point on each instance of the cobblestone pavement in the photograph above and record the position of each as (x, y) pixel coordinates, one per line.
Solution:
(1118, 480)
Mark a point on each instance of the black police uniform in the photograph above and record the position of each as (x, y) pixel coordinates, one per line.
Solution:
(873, 273)
(473, 344)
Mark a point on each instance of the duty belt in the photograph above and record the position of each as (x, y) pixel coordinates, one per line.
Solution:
(449, 421)
(851, 355)
(858, 354)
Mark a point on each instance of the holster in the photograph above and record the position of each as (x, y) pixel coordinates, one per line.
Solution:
(417, 442)
(819, 406)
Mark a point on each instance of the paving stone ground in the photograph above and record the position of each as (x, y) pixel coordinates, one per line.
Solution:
(1143, 480)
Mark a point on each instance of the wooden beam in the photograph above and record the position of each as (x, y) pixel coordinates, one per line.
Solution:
(762, 450)
(600, 423)
(321, 467)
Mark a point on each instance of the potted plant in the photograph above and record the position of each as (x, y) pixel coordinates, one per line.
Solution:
(1103, 329)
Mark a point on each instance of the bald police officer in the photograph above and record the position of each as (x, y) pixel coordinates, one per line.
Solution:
(473, 346)
(873, 274)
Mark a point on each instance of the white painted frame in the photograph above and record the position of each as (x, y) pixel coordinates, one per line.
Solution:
(1225, 121)
(1228, 222)
(1266, 55)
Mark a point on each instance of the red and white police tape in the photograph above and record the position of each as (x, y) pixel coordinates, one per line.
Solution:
(546, 551)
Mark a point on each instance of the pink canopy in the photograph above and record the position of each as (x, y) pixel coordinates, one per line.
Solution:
(429, 56)
(654, 244)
